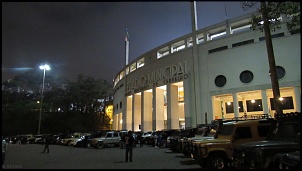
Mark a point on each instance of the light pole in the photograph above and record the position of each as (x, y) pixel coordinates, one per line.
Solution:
(44, 68)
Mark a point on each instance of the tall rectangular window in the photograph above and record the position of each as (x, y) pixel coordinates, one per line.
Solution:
(254, 105)
(287, 103)
(230, 109)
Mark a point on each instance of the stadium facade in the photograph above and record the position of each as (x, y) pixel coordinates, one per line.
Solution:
(223, 75)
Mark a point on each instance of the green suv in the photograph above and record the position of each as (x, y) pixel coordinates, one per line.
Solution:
(217, 153)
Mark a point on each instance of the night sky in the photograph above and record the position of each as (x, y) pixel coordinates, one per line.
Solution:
(88, 38)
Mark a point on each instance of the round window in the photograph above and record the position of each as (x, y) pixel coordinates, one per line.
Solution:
(246, 76)
(220, 81)
(280, 72)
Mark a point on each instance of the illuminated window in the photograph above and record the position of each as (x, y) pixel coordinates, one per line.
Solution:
(254, 105)
(133, 67)
(230, 109)
(287, 103)
(163, 52)
(177, 46)
(217, 35)
(127, 70)
(122, 74)
(141, 63)
(180, 94)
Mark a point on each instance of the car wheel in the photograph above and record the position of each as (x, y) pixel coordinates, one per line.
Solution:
(69, 143)
(100, 145)
(217, 161)
(78, 144)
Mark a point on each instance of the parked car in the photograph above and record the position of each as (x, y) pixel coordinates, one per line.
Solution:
(4, 149)
(284, 137)
(69, 139)
(289, 160)
(174, 142)
(217, 153)
(111, 138)
(82, 141)
(38, 139)
(146, 136)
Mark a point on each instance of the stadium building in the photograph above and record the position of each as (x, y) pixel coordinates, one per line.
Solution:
(223, 75)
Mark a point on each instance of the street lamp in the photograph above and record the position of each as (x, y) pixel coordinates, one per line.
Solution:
(44, 68)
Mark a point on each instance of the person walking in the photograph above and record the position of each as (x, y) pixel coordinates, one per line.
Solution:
(46, 147)
(129, 140)
(140, 139)
(123, 140)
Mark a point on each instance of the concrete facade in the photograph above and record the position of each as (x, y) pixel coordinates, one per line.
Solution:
(167, 88)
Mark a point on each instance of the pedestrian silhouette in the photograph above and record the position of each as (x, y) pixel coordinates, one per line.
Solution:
(129, 140)
(46, 147)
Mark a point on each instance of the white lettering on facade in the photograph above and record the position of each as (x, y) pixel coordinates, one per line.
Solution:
(169, 74)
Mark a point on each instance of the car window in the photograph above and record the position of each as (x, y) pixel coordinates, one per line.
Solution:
(263, 130)
(115, 134)
(243, 132)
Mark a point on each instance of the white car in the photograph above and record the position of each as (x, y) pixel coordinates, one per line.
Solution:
(4, 149)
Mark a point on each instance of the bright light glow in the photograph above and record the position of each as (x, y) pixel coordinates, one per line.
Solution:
(253, 101)
(46, 67)
(121, 121)
(229, 103)
(281, 98)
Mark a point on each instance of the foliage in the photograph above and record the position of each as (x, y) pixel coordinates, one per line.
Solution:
(290, 9)
(20, 110)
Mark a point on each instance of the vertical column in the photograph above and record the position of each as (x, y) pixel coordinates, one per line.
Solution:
(128, 124)
(114, 121)
(235, 104)
(136, 112)
(158, 109)
(264, 102)
(244, 107)
(124, 114)
(189, 120)
(297, 98)
(196, 95)
(119, 124)
(146, 111)
(172, 107)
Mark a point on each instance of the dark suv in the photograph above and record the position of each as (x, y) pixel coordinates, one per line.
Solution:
(284, 137)
(289, 160)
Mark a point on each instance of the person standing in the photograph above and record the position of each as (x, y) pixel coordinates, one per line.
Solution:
(46, 147)
(123, 140)
(140, 139)
(129, 140)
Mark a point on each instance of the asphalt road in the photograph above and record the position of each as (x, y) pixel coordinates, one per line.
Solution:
(68, 157)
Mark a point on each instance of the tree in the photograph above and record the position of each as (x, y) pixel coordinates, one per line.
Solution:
(270, 13)
(20, 110)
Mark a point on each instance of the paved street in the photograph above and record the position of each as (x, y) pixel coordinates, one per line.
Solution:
(67, 157)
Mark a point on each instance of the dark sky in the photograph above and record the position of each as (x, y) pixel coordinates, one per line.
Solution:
(88, 38)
